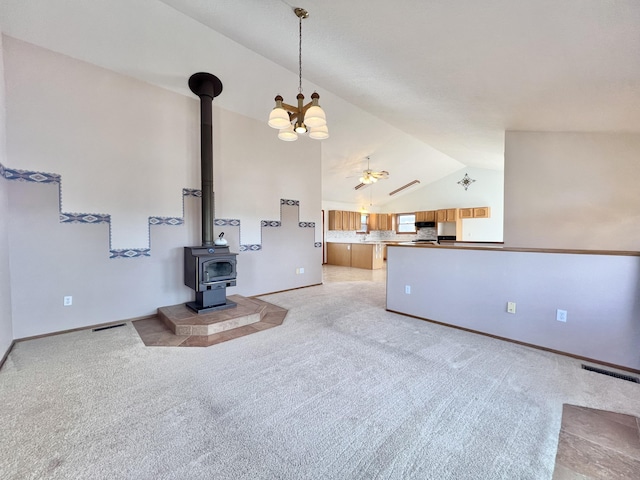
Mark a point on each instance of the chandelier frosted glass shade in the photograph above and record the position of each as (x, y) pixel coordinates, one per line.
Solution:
(315, 116)
(288, 134)
(279, 118)
(319, 133)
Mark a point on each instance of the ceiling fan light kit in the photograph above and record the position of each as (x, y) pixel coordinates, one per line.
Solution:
(301, 119)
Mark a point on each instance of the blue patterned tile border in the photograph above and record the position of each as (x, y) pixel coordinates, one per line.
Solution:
(223, 222)
(85, 218)
(130, 252)
(166, 221)
(27, 176)
(101, 218)
(252, 248)
(191, 192)
(271, 223)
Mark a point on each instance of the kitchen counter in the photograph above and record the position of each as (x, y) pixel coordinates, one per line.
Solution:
(502, 248)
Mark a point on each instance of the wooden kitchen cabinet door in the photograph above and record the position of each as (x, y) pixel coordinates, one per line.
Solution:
(482, 212)
(335, 220)
(355, 222)
(339, 254)
(465, 212)
(441, 216)
(452, 214)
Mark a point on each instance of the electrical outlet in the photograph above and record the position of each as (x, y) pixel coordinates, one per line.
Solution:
(511, 307)
(301, 270)
(561, 315)
(407, 289)
(68, 301)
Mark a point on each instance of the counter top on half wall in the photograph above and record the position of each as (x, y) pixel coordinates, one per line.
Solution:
(469, 287)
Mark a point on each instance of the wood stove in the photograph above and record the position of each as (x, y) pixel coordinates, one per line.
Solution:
(208, 269)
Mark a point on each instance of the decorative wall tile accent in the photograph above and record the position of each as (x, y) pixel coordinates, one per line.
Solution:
(85, 218)
(221, 222)
(271, 223)
(27, 176)
(191, 192)
(252, 248)
(101, 218)
(166, 221)
(130, 253)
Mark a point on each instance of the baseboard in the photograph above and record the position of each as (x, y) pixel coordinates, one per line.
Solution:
(6, 354)
(531, 345)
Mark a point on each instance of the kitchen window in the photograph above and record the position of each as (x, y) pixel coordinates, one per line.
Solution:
(406, 223)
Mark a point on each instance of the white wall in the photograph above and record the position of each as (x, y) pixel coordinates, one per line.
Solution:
(572, 190)
(487, 190)
(471, 288)
(6, 329)
(126, 148)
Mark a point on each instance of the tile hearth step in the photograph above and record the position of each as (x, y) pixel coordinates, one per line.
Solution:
(250, 316)
(184, 321)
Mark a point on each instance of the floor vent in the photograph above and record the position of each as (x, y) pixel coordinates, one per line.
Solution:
(107, 327)
(621, 376)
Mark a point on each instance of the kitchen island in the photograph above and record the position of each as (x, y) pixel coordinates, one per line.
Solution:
(369, 255)
(580, 302)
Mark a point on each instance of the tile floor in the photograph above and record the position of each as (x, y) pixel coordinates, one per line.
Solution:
(597, 444)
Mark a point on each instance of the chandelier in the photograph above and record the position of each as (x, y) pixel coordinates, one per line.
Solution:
(293, 120)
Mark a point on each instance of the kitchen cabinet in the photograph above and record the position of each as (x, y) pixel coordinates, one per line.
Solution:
(343, 220)
(380, 221)
(346, 221)
(369, 256)
(475, 212)
(356, 255)
(426, 216)
(335, 220)
(355, 221)
(447, 215)
(482, 212)
(339, 254)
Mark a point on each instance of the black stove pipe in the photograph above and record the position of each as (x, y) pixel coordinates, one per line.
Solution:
(207, 87)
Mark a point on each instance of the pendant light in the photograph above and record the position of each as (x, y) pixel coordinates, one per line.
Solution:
(293, 120)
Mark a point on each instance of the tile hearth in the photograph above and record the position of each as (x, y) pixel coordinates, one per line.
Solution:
(178, 326)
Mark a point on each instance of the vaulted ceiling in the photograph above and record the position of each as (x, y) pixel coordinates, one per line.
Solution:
(423, 88)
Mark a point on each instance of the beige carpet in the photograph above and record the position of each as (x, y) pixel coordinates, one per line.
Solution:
(342, 390)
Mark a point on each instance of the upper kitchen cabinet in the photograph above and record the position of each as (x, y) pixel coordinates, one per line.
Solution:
(335, 220)
(426, 216)
(447, 215)
(380, 221)
(342, 220)
(475, 212)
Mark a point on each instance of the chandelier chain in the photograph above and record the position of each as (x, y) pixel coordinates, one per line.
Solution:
(300, 56)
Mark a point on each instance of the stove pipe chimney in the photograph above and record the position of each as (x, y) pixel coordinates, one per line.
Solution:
(207, 87)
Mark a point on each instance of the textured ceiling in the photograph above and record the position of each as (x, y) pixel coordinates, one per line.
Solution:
(441, 79)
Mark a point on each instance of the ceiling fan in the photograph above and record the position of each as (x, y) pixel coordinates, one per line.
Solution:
(370, 176)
